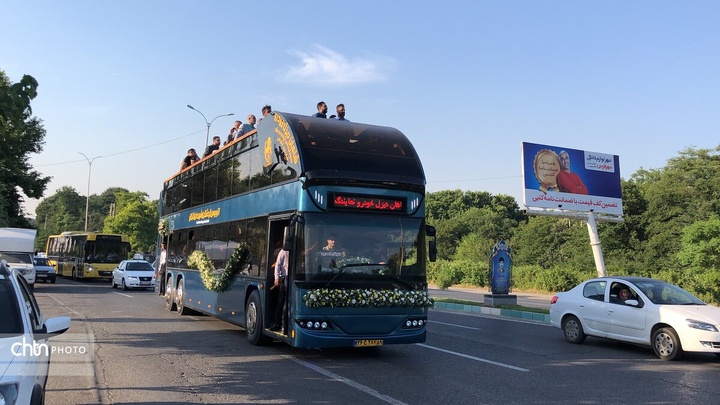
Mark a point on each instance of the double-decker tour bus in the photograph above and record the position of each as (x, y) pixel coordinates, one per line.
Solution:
(345, 200)
(86, 254)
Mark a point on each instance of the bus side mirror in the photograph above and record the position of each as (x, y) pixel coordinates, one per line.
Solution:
(288, 238)
(432, 245)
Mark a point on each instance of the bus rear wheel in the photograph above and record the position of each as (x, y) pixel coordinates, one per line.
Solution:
(180, 298)
(254, 320)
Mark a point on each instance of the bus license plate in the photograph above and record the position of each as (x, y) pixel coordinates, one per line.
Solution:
(368, 343)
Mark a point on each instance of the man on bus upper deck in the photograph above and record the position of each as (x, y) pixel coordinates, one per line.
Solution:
(212, 148)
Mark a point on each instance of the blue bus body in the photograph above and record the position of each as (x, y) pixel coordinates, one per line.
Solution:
(312, 180)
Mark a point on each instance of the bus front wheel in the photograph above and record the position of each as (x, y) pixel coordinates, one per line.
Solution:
(169, 295)
(254, 320)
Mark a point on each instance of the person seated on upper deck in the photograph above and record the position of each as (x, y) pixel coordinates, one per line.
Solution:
(212, 148)
(233, 132)
(247, 127)
(190, 159)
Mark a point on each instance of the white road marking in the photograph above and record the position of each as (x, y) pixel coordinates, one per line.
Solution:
(455, 325)
(124, 295)
(467, 356)
(356, 385)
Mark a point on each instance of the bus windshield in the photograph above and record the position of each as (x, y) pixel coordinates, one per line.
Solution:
(106, 251)
(356, 251)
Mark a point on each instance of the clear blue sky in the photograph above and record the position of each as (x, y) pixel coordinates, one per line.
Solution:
(466, 81)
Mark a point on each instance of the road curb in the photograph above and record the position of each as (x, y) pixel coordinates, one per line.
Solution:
(479, 309)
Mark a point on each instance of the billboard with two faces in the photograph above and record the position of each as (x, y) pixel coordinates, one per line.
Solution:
(571, 179)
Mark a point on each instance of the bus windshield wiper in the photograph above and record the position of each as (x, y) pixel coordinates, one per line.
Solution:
(396, 278)
(342, 269)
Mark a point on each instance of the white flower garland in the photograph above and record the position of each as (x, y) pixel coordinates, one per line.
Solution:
(367, 298)
(200, 261)
(164, 227)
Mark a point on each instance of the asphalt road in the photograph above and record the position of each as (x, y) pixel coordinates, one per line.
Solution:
(137, 352)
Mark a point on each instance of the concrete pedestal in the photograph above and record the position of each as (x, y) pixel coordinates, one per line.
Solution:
(500, 299)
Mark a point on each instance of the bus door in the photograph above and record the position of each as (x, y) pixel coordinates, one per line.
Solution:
(273, 315)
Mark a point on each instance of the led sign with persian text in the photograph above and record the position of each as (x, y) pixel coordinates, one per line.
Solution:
(366, 203)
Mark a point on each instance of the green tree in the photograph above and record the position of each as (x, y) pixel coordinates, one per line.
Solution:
(443, 205)
(686, 190)
(700, 248)
(136, 217)
(21, 134)
(62, 211)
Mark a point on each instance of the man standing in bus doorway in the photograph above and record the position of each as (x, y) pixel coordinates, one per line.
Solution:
(281, 271)
(160, 273)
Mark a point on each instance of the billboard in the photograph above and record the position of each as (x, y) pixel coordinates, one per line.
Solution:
(571, 179)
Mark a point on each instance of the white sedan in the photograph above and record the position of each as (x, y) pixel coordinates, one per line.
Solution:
(638, 310)
(24, 350)
(134, 274)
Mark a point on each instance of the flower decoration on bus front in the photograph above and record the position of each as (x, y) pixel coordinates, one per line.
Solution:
(200, 261)
(164, 227)
(366, 298)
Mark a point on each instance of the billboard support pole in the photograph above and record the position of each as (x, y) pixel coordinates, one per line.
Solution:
(595, 244)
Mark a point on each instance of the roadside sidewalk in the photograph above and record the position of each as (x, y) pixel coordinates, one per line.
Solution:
(477, 295)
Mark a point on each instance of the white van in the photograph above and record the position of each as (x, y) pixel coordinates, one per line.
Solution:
(16, 248)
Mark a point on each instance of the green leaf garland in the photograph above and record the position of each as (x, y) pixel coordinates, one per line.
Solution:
(200, 261)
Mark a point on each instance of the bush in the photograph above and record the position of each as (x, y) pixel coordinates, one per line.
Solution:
(525, 277)
(558, 279)
(442, 274)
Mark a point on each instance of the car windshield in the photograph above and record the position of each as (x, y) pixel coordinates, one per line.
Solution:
(139, 266)
(15, 257)
(40, 261)
(662, 293)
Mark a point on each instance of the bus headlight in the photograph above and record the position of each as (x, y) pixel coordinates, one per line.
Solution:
(414, 323)
(314, 324)
(90, 269)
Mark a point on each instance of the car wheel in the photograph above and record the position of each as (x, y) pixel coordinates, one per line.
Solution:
(52, 281)
(666, 344)
(125, 288)
(38, 396)
(180, 298)
(169, 295)
(573, 330)
(254, 320)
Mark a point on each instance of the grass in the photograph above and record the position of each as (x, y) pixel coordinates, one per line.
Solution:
(514, 307)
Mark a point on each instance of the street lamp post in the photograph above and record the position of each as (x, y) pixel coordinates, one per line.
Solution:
(87, 199)
(207, 137)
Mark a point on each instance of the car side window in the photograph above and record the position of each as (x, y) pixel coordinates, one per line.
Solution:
(595, 290)
(621, 292)
(10, 322)
(31, 304)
